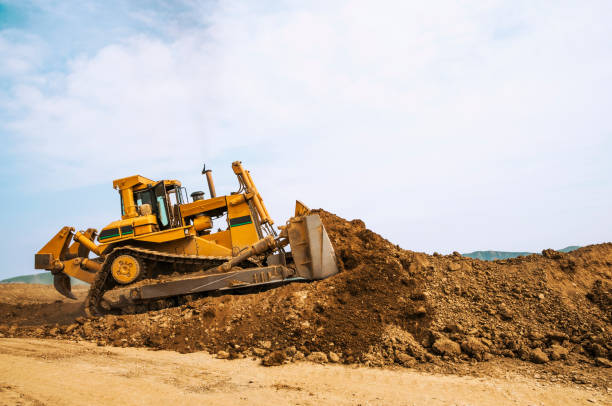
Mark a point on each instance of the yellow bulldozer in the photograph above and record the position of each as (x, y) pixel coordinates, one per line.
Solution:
(164, 247)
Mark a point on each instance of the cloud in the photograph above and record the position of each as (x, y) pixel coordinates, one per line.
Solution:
(412, 115)
(21, 52)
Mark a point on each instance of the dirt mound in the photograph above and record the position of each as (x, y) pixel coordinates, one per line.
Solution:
(391, 306)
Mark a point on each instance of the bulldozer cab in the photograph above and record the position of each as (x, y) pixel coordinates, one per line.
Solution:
(164, 202)
(162, 199)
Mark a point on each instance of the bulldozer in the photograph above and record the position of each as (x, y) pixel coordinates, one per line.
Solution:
(164, 247)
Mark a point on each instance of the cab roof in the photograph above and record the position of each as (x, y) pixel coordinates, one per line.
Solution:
(138, 182)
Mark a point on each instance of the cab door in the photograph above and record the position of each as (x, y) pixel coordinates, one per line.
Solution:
(161, 206)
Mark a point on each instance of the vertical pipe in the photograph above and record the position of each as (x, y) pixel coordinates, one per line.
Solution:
(211, 185)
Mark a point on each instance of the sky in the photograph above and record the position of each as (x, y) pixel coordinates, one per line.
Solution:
(444, 125)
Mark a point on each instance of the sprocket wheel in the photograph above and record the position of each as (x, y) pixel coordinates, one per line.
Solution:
(126, 269)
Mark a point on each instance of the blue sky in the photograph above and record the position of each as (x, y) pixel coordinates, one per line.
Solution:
(444, 126)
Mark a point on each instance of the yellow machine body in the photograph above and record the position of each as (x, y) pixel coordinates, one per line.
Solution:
(192, 234)
(156, 215)
(161, 232)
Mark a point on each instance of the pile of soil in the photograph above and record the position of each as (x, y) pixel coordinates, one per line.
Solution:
(390, 306)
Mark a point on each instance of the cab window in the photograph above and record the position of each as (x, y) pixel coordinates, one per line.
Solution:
(161, 205)
(143, 197)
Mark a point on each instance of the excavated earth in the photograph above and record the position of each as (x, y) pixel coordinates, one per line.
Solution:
(549, 315)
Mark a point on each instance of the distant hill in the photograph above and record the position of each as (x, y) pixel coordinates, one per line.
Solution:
(493, 255)
(43, 278)
(569, 249)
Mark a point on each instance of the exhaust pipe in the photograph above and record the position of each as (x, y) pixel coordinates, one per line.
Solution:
(209, 179)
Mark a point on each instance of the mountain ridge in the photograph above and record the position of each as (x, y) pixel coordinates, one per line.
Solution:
(491, 255)
(43, 278)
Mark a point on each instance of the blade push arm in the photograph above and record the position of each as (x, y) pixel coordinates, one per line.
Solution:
(245, 180)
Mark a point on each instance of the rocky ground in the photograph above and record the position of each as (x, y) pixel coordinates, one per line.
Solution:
(551, 313)
(38, 372)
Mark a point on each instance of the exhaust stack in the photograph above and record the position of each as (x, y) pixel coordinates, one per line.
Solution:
(209, 179)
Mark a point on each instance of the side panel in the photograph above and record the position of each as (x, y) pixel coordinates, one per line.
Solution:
(156, 237)
(241, 224)
(202, 206)
(124, 229)
(188, 246)
(166, 235)
(223, 238)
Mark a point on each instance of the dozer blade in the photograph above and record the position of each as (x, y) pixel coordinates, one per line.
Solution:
(62, 284)
(312, 250)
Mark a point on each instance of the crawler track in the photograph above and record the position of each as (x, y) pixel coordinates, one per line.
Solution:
(103, 282)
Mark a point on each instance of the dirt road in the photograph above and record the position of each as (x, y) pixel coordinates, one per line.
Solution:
(54, 372)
